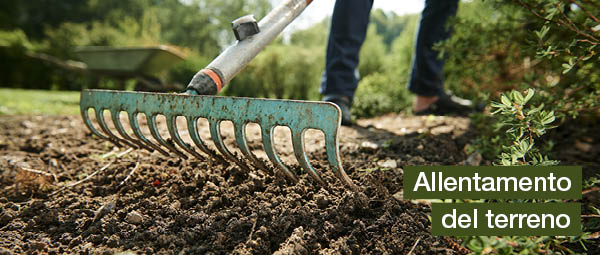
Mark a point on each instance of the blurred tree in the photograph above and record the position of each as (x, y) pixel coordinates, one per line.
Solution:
(34, 16)
(314, 36)
(389, 25)
(372, 53)
(55, 27)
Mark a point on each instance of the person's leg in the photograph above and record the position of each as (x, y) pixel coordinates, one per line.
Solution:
(426, 79)
(348, 30)
(349, 25)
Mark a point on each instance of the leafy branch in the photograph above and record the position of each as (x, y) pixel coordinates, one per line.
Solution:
(523, 125)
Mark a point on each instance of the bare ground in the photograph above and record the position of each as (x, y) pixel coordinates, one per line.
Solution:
(170, 205)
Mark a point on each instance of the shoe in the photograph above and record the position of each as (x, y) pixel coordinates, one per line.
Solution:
(448, 105)
(344, 103)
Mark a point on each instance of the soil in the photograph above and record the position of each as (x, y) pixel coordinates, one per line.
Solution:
(134, 200)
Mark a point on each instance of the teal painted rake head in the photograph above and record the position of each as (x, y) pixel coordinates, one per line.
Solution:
(197, 103)
(268, 113)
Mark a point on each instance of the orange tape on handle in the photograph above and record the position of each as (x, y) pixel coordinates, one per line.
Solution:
(215, 77)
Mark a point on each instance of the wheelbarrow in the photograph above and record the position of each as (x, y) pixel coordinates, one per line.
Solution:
(144, 64)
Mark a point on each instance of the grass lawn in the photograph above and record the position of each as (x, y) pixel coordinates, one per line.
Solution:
(38, 102)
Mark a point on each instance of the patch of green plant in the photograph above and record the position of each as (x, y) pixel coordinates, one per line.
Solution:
(281, 71)
(385, 74)
(551, 46)
(379, 94)
(591, 182)
(519, 125)
(523, 124)
(38, 102)
(591, 224)
(546, 47)
(183, 72)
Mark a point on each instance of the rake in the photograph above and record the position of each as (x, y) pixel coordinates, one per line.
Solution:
(198, 101)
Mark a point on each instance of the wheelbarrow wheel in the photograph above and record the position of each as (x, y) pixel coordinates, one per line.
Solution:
(149, 84)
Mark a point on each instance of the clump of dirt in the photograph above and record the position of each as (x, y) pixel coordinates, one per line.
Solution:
(149, 203)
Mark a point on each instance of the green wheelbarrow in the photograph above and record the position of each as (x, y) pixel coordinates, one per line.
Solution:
(144, 64)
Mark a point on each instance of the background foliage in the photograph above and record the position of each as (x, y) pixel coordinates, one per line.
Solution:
(497, 46)
(290, 67)
(551, 46)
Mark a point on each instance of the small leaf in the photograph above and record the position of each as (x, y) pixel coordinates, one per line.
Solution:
(505, 100)
(542, 33)
(530, 93)
(516, 153)
(497, 105)
(515, 157)
(524, 146)
(567, 67)
(496, 111)
(518, 97)
(549, 119)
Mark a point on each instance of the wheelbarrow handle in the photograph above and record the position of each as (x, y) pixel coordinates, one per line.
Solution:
(210, 80)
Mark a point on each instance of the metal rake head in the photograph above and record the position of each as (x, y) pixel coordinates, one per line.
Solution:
(268, 113)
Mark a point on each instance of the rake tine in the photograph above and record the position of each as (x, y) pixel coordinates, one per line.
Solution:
(116, 118)
(268, 113)
(216, 137)
(298, 143)
(240, 137)
(267, 138)
(154, 131)
(88, 123)
(193, 129)
(172, 126)
(333, 156)
(116, 140)
(138, 133)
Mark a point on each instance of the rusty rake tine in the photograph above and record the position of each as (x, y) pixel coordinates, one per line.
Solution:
(298, 143)
(116, 118)
(88, 123)
(113, 138)
(154, 131)
(193, 129)
(216, 136)
(267, 137)
(333, 156)
(172, 126)
(135, 126)
(240, 137)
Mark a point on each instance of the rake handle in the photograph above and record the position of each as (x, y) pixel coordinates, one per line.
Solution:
(210, 80)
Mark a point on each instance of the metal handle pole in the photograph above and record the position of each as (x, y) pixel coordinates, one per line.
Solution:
(210, 80)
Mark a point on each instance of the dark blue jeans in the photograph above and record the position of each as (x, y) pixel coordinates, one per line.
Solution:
(349, 25)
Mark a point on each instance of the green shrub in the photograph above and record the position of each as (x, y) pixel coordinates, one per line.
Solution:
(183, 72)
(379, 94)
(547, 45)
(15, 39)
(384, 87)
(519, 125)
(281, 71)
(372, 53)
